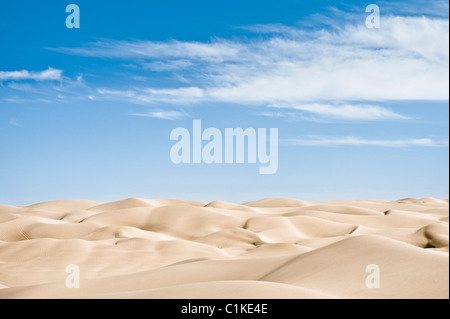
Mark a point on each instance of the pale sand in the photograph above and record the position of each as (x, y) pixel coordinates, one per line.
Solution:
(272, 248)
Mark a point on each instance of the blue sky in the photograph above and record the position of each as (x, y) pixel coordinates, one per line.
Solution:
(87, 113)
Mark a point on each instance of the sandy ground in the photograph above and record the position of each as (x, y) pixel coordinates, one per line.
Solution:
(272, 248)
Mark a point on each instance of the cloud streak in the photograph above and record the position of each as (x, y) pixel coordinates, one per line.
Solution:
(346, 111)
(46, 75)
(163, 115)
(324, 141)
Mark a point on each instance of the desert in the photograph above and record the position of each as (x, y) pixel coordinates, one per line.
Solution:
(274, 248)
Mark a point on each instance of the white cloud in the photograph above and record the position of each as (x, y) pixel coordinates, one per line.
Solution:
(355, 141)
(406, 59)
(45, 75)
(164, 115)
(150, 95)
(346, 111)
(212, 52)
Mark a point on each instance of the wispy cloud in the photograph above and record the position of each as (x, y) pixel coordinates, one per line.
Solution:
(46, 75)
(19, 100)
(218, 51)
(406, 59)
(346, 111)
(356, 141)
(48, 86)
(437, 8)
(150, 95)
(164, 115)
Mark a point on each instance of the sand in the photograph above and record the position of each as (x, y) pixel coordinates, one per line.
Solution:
(271, 248)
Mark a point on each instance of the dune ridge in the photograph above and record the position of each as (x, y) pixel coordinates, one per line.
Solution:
(270, 248)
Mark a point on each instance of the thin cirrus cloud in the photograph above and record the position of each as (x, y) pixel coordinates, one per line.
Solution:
(46, 75)
(356, 141)
(48, 86)
(345, 112)
(437, 8)
(406, 59)
(164, 115)
(147, 96)
(171, 50)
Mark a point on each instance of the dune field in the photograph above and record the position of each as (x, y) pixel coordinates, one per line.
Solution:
(271, 248)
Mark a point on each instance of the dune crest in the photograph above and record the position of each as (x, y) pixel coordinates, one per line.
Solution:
(270, 248)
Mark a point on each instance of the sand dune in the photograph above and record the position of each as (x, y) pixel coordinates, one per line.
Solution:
(271, 248)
